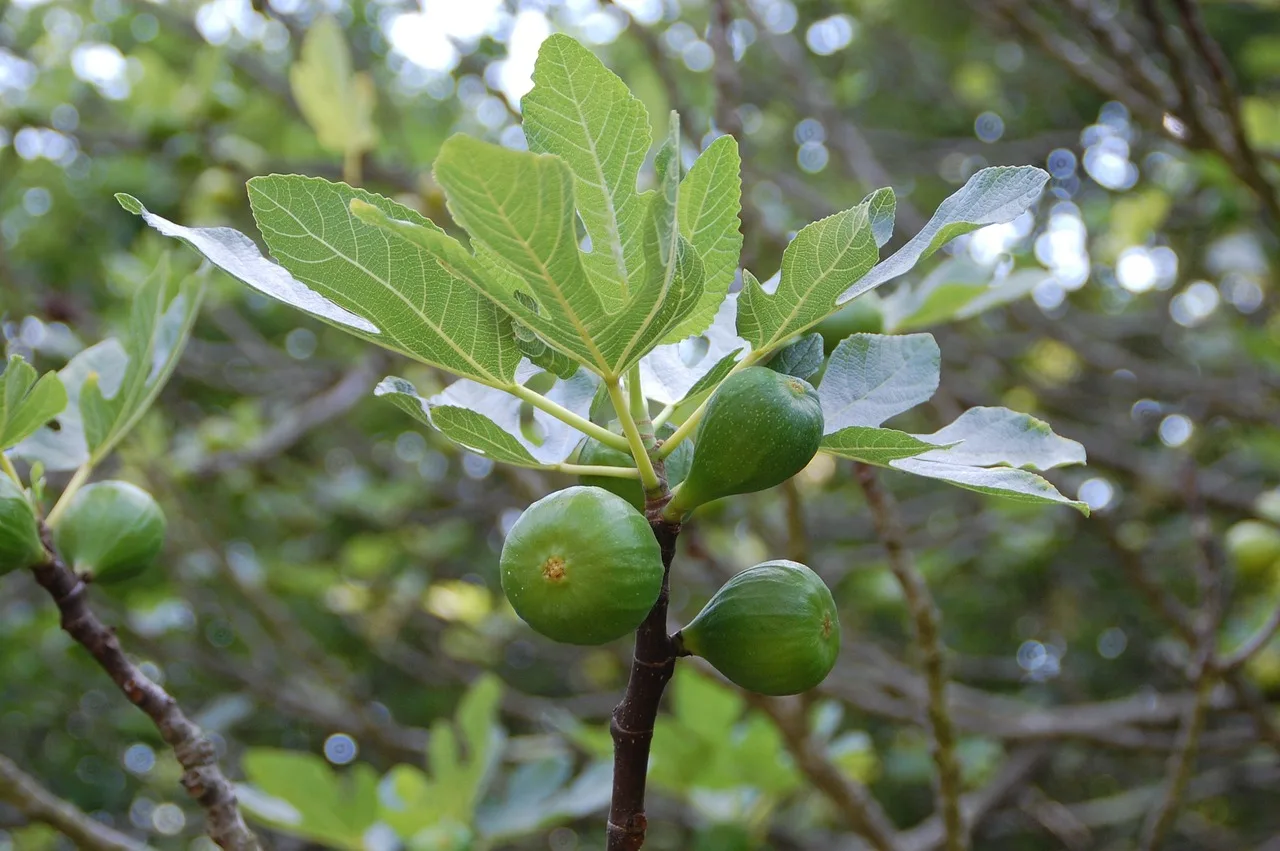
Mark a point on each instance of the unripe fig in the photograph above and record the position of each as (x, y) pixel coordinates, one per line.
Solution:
(20, 545)
(863, 315)
(1254, 545)
(581, 566)
(771, 629)
(760, 428)
(595, 453)
(111, 531)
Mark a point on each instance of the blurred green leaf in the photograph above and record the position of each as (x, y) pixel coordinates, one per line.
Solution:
(337, 103)
(27, 402)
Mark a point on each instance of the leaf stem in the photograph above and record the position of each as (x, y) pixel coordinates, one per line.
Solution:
(77, 480)
(665, 414)
(7, 467)
(568, 417)
(648, 475)
(599, 470)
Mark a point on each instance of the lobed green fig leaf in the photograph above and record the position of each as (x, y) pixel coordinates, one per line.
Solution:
(111, 531)
(823, 261)
(581, 566)
(772, 629)
(872, 377)
(760, 428)
(27, 402)
(581, 111)
(710, 203)
(20, 545)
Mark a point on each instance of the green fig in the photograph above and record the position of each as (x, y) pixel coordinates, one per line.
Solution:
(20, 545)
(581, 566)
(1254, 546)
(595, 453)
(760, 428)
(771, 629)
(111, 530)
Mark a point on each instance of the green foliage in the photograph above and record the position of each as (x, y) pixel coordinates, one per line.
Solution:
(871, 378)
(302, 795)
(111, 385)
(337, 103)
(26, 403)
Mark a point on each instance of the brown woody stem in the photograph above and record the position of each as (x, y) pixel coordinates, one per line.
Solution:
(201, 777)
(652, 665)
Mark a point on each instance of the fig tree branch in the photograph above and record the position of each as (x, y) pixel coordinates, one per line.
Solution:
(202, 778)
(25, 794)
(633, 720)
(927, 623)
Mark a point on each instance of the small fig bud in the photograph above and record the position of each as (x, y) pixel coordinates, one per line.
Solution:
(111, 531)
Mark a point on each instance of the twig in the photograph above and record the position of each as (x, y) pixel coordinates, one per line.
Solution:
(1181, 764)
(1123, 48)
(927, 623)
(977, 806)
(1211, 578)
(632, 723)
(853, 799)
(797, 535)
(37, 803)
(201, 777)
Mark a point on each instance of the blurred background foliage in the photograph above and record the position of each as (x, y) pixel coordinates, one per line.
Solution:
(328, 603)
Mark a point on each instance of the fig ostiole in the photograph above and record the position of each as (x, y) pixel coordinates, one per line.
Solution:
(111, 531)
(20, 545)
(760, 428)
(771, 629)
(595, 453)
(581, 566)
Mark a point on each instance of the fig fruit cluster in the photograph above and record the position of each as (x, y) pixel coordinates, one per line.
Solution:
(582, 565)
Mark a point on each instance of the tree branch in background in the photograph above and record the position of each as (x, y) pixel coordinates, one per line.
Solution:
(23, 792)
(927, 623)
(854, 801)
(201, 777)
(633, 720)
(1211, 575)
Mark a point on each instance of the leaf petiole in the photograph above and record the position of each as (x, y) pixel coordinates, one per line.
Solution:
(77, 479)
(7, 467)
(568, 417)
(599, 470)
(648, 476)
